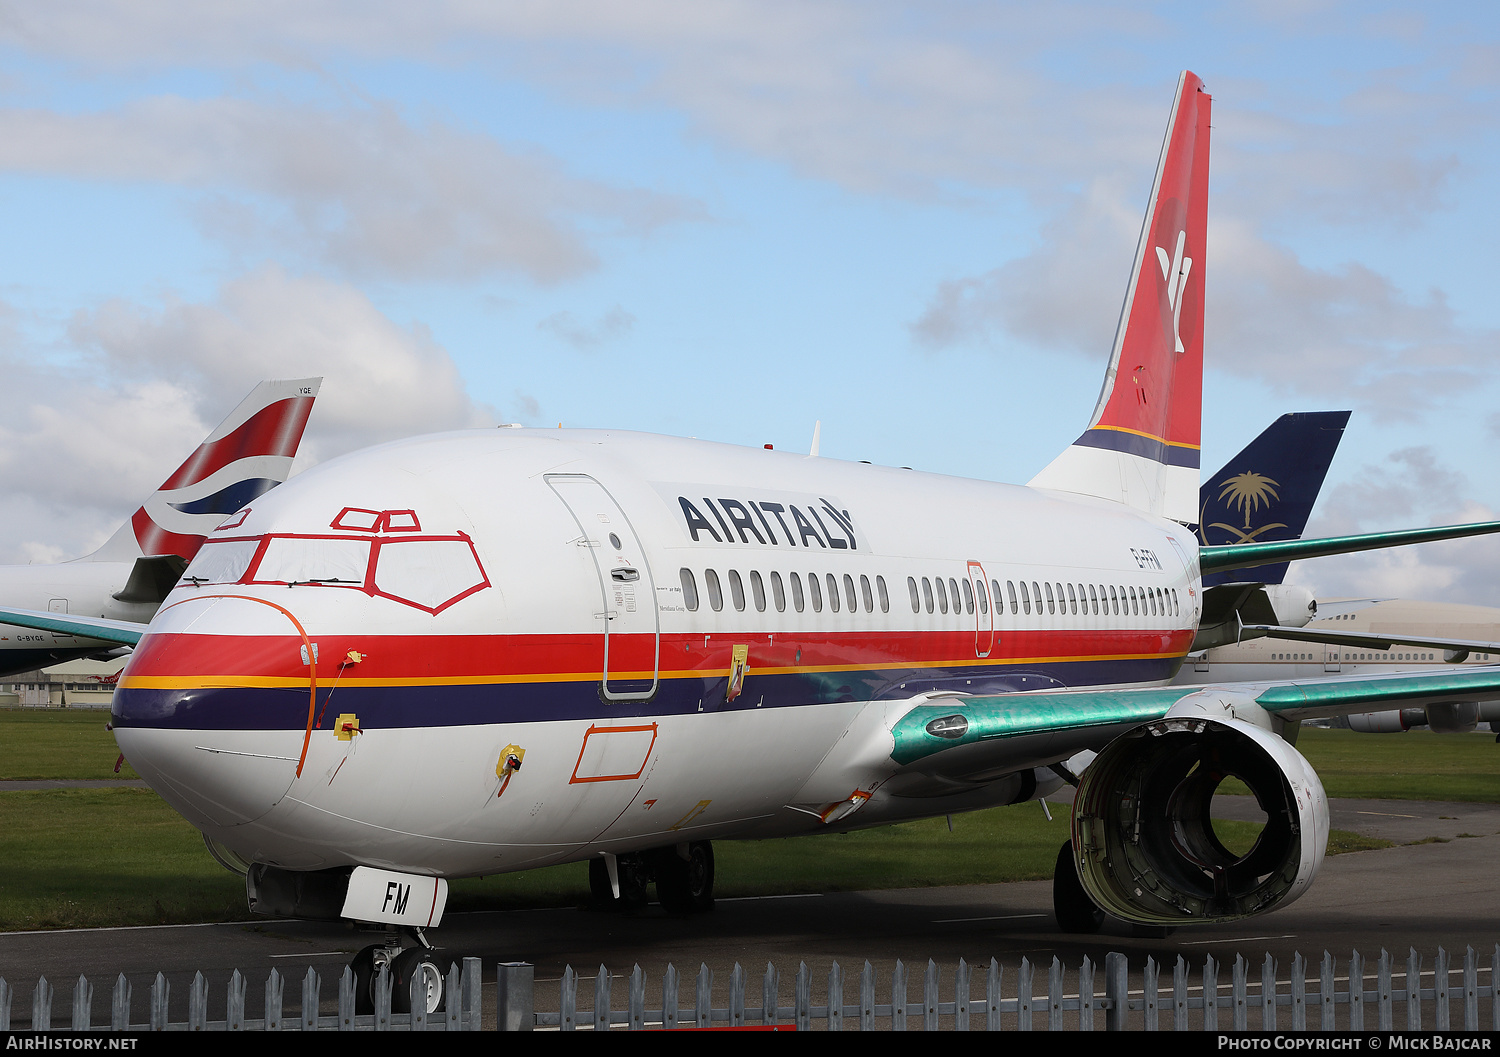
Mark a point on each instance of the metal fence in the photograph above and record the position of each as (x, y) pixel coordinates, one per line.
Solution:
(462, 988)
(1313, 997)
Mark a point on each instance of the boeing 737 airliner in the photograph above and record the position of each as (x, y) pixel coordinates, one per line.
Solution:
(494, 650)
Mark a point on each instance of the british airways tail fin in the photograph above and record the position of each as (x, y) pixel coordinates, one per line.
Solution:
(1141, 446)
(247, 455)
(1267, 491)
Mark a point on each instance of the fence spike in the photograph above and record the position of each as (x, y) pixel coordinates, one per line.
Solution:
(835, 997)
(636, 1012)
(1179, 995)
(1054, 995)
(1326, 990)
(867, 998)
(160, 991)
(1117, 991)
(669, 1000)
(1384, 997)
(802, 1003)
(1356, 992)
(453, 993)
(1086, 995)
(384, 984)
(41, 1005)
(1210, 994)
(1238, 989)
(1471, 990)
(311, 986)
(1299, 992)
(473, 977)
(198, 1003)
(274, 988)
(1150, 999)
(898, 997)
(930, 997)
(737, 996)
(568, 1021)
(992, 997)
(83, 1003)
(770, 994)
(1268, 993)
(234, 1008)
(4, 1005)
(1413, 990)
(1440, 990)
(346, 999)
(961, 996)
(703, 1009)
(602, 983)
(1024, 996)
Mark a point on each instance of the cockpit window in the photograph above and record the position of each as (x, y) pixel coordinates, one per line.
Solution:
(313, 560)
(221, 562)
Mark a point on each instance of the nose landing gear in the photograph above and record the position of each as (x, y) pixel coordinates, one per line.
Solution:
(402, 964)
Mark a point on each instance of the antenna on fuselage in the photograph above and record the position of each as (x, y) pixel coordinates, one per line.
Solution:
(817, 432)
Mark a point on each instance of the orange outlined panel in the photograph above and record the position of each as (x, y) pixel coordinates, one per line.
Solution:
(613, 754)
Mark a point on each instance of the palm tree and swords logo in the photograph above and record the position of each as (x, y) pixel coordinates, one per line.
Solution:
(1248, 491)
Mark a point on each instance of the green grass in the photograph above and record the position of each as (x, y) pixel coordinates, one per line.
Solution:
(113, 856)
(58, 743)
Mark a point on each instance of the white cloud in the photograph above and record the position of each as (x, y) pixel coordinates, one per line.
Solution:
(148, 384)
(609, 325)
(359, 189)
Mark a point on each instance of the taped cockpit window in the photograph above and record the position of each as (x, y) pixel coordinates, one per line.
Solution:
(221, 562)
(430, 574)
(311, 560)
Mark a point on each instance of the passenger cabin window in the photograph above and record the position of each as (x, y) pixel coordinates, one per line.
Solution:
(689, 590)
(927, 593)
(758, 591)
(778, 593)
(849, 593)
(984, 597)
(1010, 589)
(1050, 607)
(968, 597)
(815, 593)
(1093, 600)
(1072, 601)
(833, 593)
(864, 590)
(1025, 599)
(736, 591)
(797, 602)
(942, 594)
(953, 592)
(911, 588)
(885, 596)
(715, 594)
(1113, 601)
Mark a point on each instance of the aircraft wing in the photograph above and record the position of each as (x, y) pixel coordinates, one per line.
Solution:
(123, 632)
(970, 738)
(1371, 640)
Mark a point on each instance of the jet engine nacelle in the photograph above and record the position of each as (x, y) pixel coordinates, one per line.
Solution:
(1294, 606)
(1143, 833)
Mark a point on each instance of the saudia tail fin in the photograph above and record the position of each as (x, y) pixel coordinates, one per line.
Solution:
(1141, 446)
(1267, 491)
(247, 455)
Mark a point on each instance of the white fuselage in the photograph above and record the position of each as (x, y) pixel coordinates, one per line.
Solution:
(465, 597)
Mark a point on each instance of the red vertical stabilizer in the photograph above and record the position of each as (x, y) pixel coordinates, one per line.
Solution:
(1141, 446)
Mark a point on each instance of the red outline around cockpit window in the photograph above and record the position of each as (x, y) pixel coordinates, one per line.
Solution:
(370, 586)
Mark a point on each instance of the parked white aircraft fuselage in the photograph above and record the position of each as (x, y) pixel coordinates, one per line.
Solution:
(637, 747)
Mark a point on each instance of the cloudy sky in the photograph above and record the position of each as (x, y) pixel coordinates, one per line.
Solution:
(731, 219)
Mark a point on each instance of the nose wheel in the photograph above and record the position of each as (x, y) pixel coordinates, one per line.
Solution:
(403, 965)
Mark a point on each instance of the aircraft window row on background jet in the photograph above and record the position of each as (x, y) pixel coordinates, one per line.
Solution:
(351, 752)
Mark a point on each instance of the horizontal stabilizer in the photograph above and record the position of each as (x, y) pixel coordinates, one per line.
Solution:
(1248, 555)
(125, 632)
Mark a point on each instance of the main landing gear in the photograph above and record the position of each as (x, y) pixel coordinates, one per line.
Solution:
(402, 964)
(683, 873)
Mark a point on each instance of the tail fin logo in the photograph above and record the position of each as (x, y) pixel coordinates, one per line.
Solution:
(1174, 272)
(1248, 491)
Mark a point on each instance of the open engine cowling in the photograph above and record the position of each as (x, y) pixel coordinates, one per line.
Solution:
(1143, 833)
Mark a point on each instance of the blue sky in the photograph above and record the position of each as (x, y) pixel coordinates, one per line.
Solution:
(729, 220)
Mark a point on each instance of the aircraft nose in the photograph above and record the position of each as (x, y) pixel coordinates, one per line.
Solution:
(215, 723)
